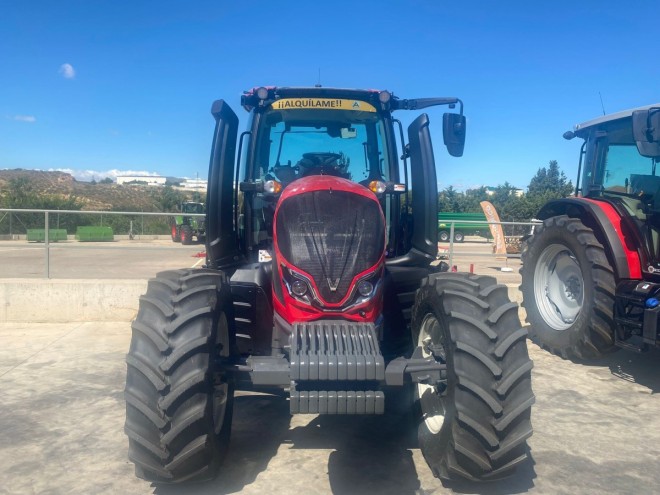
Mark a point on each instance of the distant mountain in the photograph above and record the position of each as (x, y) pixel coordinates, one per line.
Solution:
(93, 196)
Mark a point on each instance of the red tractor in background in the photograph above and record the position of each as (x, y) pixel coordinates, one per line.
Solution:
(319, 286)
(591, 272)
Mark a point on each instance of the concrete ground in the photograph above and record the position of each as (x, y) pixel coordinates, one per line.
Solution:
(96, 260)
(597, 429)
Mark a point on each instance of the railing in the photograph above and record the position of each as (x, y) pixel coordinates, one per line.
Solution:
(515, 229)
(13, 213)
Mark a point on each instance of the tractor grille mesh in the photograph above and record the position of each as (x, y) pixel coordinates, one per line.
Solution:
(331, 235)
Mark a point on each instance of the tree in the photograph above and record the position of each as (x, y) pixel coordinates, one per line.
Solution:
(550, 181)
(168, 198)
(503, 194)
(21, 194)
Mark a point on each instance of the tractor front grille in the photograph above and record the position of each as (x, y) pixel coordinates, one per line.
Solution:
(332, 236)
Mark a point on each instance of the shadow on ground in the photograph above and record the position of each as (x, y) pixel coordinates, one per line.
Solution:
(641, 368)
(260, 426)
(521, 482)
(370, 454)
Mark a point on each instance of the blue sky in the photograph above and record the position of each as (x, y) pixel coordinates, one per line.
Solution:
(127, 86)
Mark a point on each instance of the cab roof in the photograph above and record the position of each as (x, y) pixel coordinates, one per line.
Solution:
(581, 129)
(249, 99)
(319, 91)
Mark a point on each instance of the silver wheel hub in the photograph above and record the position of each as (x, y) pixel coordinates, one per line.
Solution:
(558, 287)
(431, 400)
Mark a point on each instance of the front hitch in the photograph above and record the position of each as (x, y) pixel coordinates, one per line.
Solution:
(417, 369)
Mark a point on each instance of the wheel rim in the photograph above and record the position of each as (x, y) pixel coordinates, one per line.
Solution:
(458, 237)
(558, 287)
(444, 236)
(221, 387)
(220, 396)
(430, 398)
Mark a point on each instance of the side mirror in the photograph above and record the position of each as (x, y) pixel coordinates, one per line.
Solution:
(453, 133)
(646, 131)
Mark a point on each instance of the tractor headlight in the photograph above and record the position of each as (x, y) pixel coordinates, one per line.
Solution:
(365, 288)
(299, 288)
(384, 96)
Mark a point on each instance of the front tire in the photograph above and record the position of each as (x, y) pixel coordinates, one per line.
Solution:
(443, 235)
(476, 420)
(178, 406)
(568, 289)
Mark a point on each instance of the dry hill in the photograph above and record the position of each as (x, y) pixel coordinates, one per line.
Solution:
(90, 195)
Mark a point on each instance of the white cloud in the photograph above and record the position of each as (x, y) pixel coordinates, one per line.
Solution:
(30, 119)
(67, 71)
(88, 175)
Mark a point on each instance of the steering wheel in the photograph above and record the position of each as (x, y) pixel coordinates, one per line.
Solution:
(322, 159)
(322, 163)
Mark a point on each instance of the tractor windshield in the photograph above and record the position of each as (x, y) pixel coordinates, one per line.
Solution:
(192, 208)
(628, 171)
(620, 171)
(347, 143)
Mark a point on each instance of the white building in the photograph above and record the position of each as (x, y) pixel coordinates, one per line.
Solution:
(195, 184)
(150, 180)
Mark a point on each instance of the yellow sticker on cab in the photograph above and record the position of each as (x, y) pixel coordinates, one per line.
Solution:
(322, 104)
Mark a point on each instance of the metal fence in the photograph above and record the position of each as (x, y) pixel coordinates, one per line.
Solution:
(514, 232)
(15, 223)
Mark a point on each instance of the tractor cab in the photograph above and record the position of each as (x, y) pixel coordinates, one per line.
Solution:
(618, 164)
(307, 132)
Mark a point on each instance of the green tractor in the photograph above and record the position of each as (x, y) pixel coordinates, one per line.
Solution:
(184, 227)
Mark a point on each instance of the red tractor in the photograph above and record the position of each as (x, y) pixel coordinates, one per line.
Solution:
(591, 272)
(320, 285)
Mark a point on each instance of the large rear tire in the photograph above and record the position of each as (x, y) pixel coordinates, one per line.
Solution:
(178, 406)
(176, 236)
(186, 235)
(476, 419)
(568, 289)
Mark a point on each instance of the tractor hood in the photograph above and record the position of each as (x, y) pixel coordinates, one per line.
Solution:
(329, 235)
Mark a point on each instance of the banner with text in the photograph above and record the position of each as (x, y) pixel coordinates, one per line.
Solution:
(495, 229)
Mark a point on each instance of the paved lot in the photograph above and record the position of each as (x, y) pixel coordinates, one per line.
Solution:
(118, 259)
(597, 429)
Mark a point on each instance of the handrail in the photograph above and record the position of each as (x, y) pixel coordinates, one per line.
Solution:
(105, 212)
